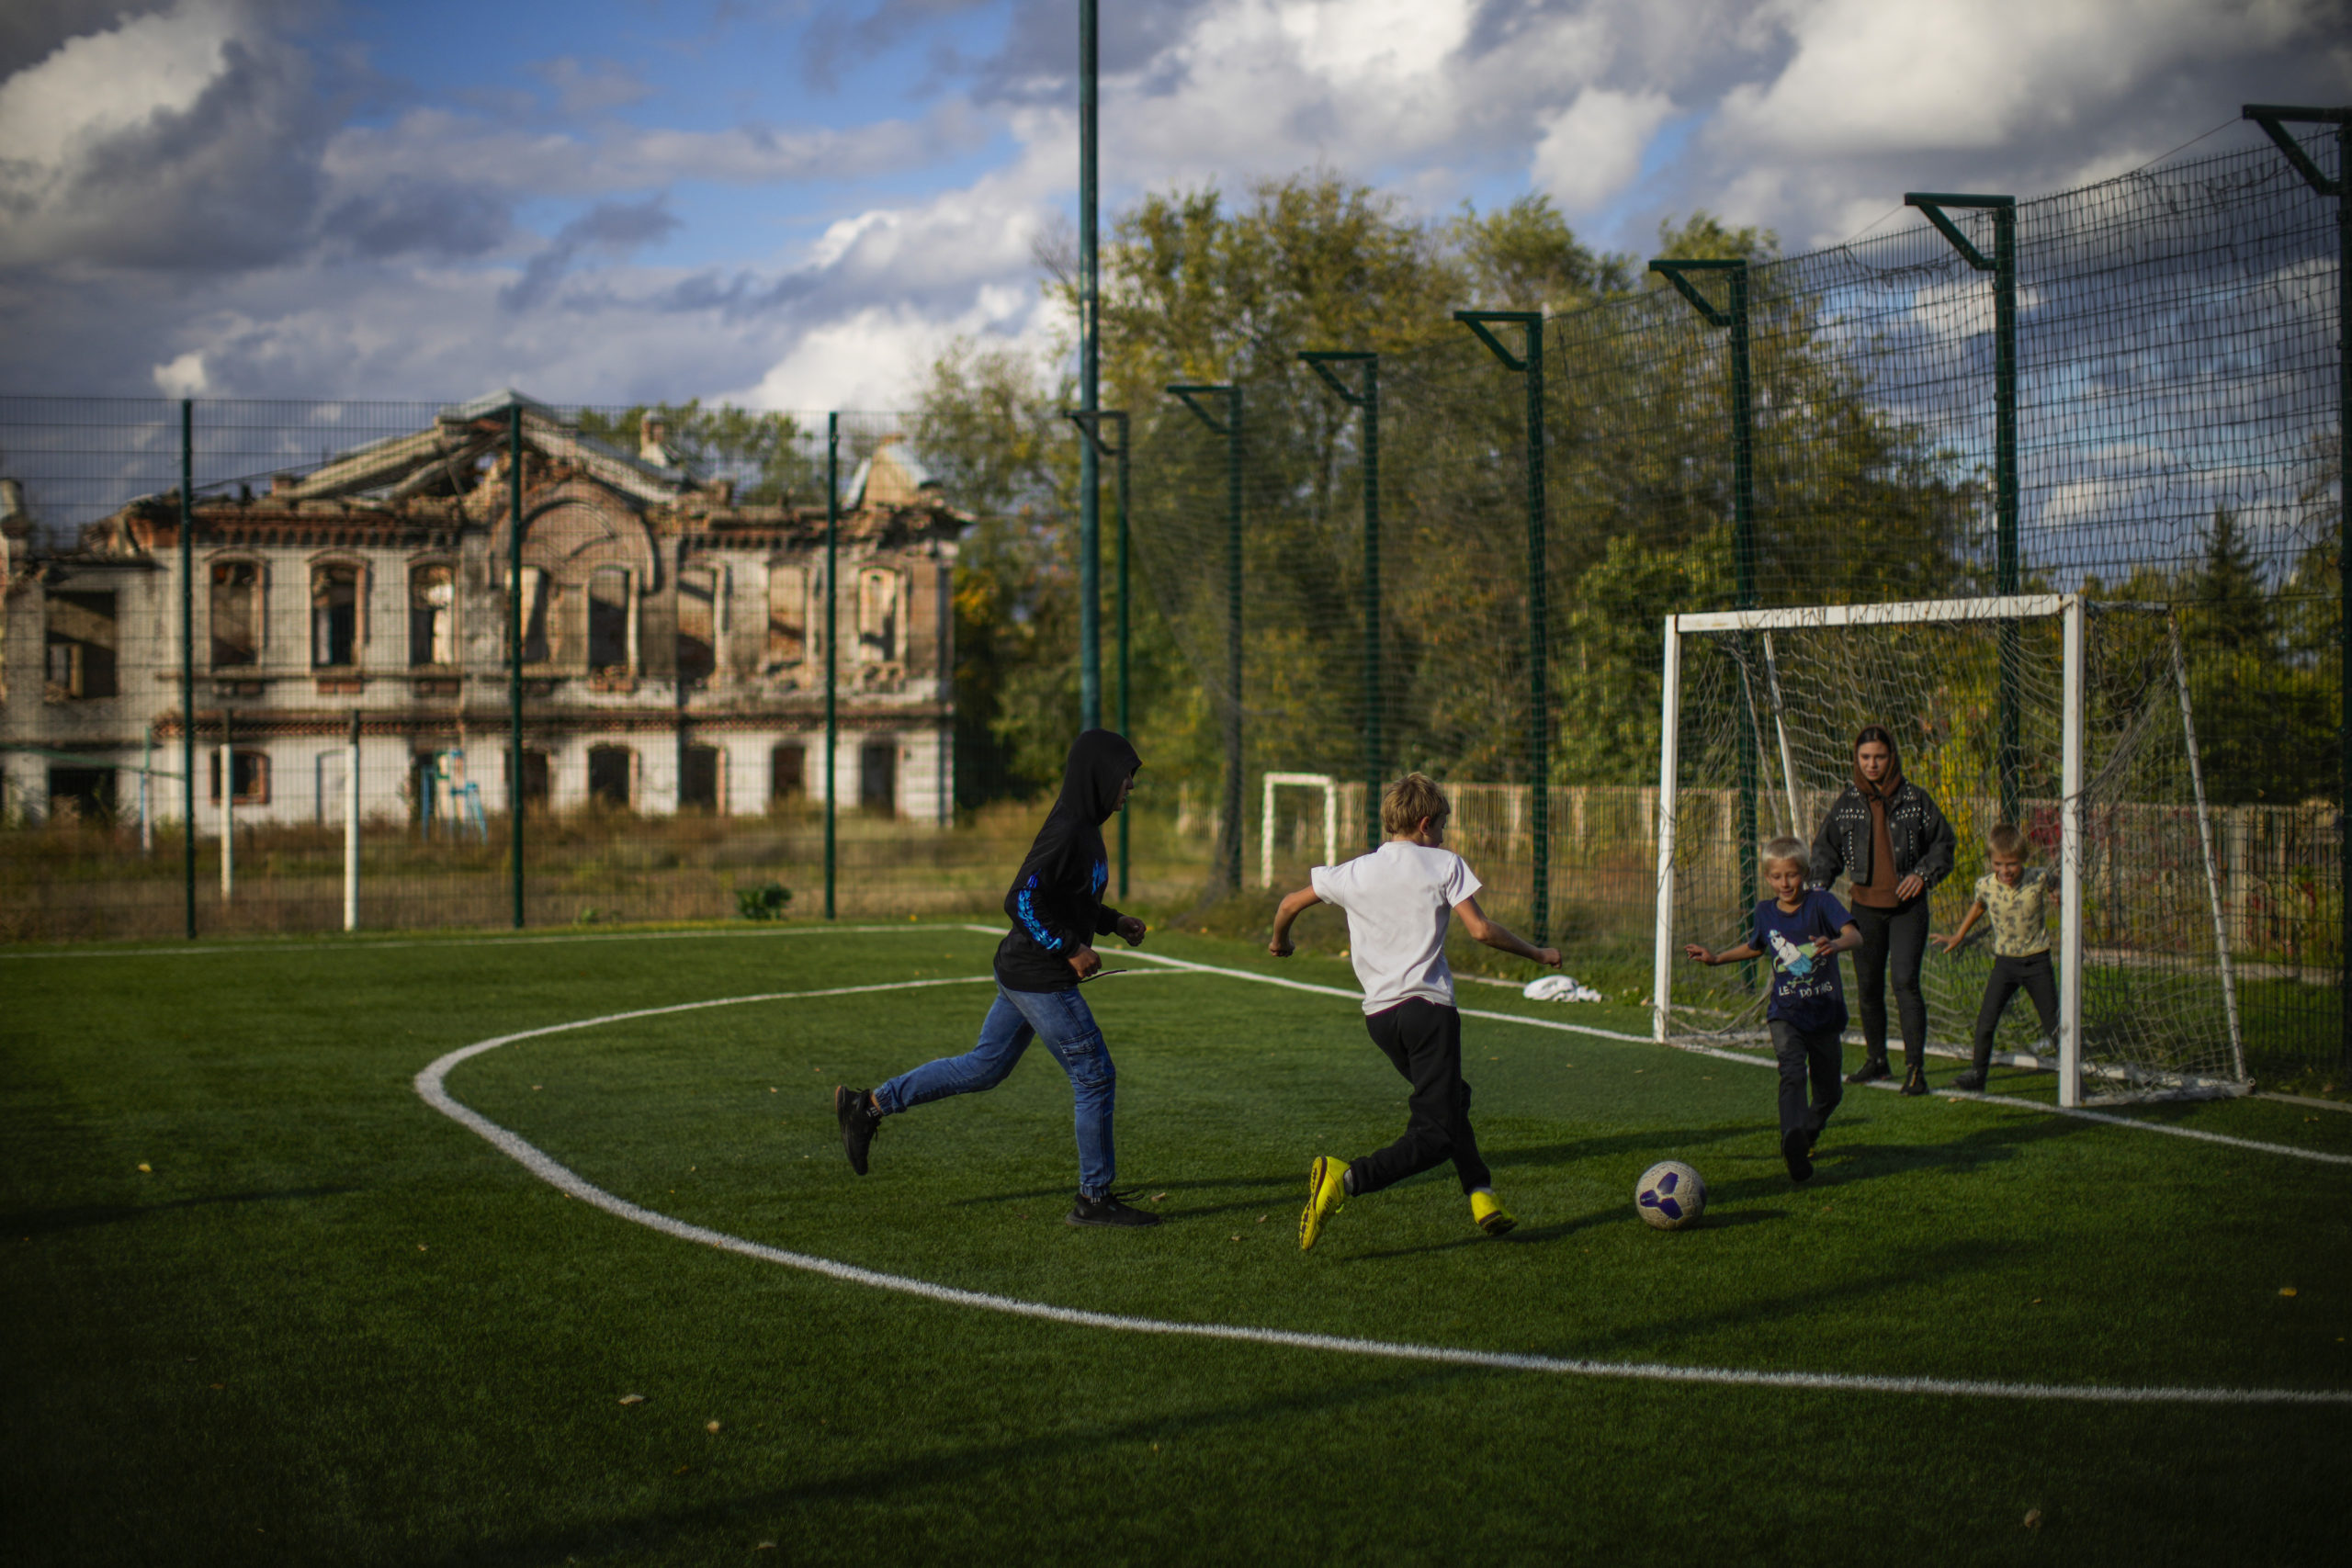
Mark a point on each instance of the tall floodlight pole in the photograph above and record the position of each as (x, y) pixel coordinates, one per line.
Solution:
(2274, 118)
(1229, 848)
(1089, 326)
(832, 625)
(2003, 265)
(1091, 427)
(188, 655)
(515, 654)
(1364, 398)
(1734, 316)
(1529, 366)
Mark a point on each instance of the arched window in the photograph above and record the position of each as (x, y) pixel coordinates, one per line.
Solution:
(334, 616)
(433, 613)
(236, 614)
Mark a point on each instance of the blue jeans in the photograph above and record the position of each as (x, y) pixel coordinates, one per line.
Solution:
(1063, 1021)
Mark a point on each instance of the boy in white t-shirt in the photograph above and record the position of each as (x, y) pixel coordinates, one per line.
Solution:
(1397, 899)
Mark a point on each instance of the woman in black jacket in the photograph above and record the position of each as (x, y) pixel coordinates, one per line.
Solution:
(1893, 844)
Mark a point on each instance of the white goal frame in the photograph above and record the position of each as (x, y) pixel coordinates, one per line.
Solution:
(1330, 788)
(2070, 609)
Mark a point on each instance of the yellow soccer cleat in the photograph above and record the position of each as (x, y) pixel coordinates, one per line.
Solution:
(1326, 1189)
(1488, 1214)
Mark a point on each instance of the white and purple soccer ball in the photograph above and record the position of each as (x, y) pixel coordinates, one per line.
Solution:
(1670, 1195)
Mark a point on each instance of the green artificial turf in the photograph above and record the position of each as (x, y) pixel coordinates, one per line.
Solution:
(332, 1324)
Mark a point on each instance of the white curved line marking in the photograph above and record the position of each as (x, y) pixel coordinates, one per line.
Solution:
(432, 1087)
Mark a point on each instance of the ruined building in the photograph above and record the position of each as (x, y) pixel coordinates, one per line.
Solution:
(671, 643)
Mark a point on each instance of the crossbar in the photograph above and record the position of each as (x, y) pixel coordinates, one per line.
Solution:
(2006, 606)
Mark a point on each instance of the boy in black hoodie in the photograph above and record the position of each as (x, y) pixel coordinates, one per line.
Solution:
(1057, 908)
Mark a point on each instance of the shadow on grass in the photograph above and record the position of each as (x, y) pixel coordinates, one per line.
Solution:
(81, 1216)
(900, 1479)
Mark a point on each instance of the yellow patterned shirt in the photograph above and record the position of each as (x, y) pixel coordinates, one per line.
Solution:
(2020, 914)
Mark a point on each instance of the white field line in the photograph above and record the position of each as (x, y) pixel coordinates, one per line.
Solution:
(1751, 1059)
(431, 1085)
(482, 939)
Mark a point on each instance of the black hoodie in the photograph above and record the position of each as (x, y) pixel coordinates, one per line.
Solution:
(1055, 901)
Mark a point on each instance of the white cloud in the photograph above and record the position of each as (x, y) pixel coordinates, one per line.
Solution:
(183, 377)
(1592, 150)
(53, 114)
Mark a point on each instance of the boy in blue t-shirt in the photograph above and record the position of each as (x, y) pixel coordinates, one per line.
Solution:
(1801, 930)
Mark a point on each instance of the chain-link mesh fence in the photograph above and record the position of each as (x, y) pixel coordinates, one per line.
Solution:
(2176, 444)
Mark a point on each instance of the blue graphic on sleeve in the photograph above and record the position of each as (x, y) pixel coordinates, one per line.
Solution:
(1101, 877)
(1027, 906)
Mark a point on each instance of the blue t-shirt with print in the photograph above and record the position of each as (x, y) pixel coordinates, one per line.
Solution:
(1805, 990)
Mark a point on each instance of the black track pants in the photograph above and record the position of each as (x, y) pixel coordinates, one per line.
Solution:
(1808, 1054)
(1892, 940)
(1424, 1041)
(2031, 975)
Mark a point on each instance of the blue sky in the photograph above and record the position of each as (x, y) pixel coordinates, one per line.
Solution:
(799, 205)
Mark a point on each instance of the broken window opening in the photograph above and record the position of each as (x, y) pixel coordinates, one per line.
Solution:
(787, 614)
(432, 614)
(701, 774)
(612, 773)
(535, 595)
(877, 778)
(609, 602)
(789, 773)
(236, 614)
(83, 795)
(82, 642)
(334, 616)
(697, 624)
(877, 616)
(249, 773)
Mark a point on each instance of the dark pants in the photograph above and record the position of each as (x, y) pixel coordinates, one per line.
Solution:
(1893, 939)
(1424, 1041)
(1802, 1053)
(2031, 975)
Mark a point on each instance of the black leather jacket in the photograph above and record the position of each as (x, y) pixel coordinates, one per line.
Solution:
(1916, 825)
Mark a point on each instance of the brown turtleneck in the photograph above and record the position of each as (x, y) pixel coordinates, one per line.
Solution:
(1877, 892)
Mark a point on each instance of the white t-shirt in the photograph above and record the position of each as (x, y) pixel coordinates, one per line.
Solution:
(1397, 899)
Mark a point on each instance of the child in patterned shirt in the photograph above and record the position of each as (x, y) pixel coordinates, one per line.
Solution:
(2019, 902)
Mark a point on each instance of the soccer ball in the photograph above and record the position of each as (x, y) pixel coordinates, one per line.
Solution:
(1670, 1195)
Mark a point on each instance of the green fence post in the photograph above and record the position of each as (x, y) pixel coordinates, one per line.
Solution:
(832, 625)
(1089, 427)
(1743, 534)
(188, 655)
(1090, 331)
(2003, 265)
(1529, 366)
(1228, 850)
(2274, 119)
(1366, 402)
(514, 651)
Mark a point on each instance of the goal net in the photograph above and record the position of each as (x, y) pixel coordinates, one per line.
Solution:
(2069, 719)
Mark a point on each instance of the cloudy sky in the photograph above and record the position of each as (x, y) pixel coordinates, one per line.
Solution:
(796, 202)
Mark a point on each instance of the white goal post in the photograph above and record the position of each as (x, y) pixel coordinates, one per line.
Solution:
(1330, 788)
(1933, 656)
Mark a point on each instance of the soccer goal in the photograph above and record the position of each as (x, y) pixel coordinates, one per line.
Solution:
(2070, 719)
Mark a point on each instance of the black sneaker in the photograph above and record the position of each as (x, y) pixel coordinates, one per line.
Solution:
(1915, 1082)
(1972, 1082)
(1109, 1210)
(1796, 1144)
(855, 1112)
(1872, 1069)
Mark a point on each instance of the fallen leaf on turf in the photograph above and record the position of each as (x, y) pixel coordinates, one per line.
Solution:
(710, 1427)
(765, 1546)
(2286, 1290)
(2033, 1518)
(2035, 1302)
(217, 1385)
(420, 1247)
(147, 1168)
(1158, 1197)
(632, 1399)
(1237, 1235)
(682, 1469)
(1261, 1219)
